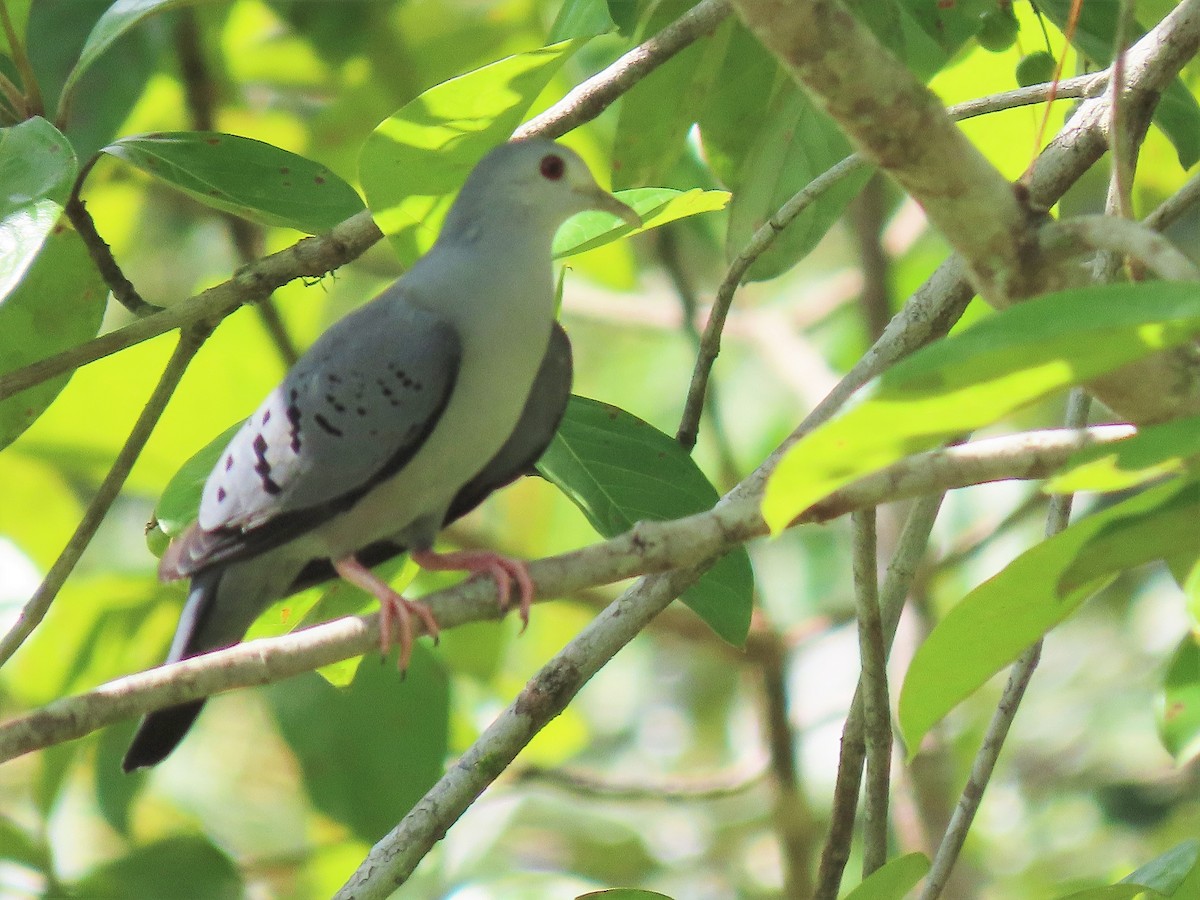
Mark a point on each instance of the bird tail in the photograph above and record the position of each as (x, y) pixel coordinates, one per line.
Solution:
(200, 629)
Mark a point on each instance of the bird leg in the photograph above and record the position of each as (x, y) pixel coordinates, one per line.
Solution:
(392, 608)
(503, 569)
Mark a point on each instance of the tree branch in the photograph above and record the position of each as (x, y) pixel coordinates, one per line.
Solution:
(649, 547)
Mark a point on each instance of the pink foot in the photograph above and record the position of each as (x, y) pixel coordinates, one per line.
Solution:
(484, 562)
(393, 609)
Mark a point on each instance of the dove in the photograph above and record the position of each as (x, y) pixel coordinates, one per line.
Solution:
(403, 416)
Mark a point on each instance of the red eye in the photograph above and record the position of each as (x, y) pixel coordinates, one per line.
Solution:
(552, 167)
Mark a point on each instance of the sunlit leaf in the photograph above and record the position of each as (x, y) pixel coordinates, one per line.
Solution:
(1164, 874)
(245, 177)
(179, 503)
(618, 469)
(1155, 451)
(416, 160)
(58, 303)
(37, 166)
(998, 620)
(980, 374)
(657, 206)
(894, 880)
(581, 19)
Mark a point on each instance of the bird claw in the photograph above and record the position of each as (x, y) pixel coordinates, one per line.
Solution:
(503, 570)
(393, 610)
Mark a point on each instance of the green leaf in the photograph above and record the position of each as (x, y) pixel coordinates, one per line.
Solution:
(370, 751)
(1177, 114)
(116, 21)
(1178, 708)
(23, 847)
(735, 110)
(623, 894)
(930, 34)
(979, 375)
(415, 161)
(998, 620)
(798, 144)
(656, 206)
(37, 167)
(193, 867)
(1155, 451)
(57, 304)
(179, 503)
(1107, 892)
(581, 19)
(657, 113)
(116, 790)
(618, 469)
(1164, 874)
(245, 177)
(894, 880)
(18, 14)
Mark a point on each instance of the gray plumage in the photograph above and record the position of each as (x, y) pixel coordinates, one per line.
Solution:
(403, 416)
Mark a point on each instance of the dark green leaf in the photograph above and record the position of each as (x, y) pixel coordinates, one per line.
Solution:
(798, 144)
(618, 469)
(115, 789)
(1178, 710)
(996, 621)
(623, 894)
(180, 501)
(20, 846)
(371, 750)
(659, 111)
(244, 177)
(415, 161)
(58, 303)
(188, 866)
(984, 372)
(894, 880)
(116, 21)
(735, 110)
(581, 19)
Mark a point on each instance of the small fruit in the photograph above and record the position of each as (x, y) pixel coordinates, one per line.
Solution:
(997, 29)
(1036, 68)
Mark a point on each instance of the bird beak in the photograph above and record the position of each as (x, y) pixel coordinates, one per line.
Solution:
(608, 203)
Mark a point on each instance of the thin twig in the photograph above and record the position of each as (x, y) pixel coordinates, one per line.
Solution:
(688, 789)
(1174, 207)
(794, 820)
(31, 97)
(35, 610)
(102, 257)
(590, 98)
(1120, 237)
(984, 764)
(910, 549)
(877, 719)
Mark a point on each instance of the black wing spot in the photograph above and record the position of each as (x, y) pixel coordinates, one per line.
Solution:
(334, 379)
(327, 426)
(221, 495)
(362, 410)
(293, 414)
(228, 462)
(262, 467)
(266, 416)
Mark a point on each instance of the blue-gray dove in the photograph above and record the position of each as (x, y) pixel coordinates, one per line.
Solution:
(401, 417)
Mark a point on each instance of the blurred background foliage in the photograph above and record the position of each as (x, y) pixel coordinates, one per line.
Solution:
(660, 774)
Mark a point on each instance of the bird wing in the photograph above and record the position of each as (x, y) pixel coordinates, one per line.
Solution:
(350, 414)
(540, 418)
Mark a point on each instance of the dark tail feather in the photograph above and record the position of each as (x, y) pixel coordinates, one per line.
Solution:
(161, 731)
